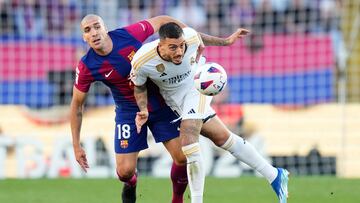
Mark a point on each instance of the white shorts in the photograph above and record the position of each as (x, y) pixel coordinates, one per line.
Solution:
(196, 106)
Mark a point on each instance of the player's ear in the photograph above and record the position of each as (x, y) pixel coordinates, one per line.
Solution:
(105, 28)
(161, 43)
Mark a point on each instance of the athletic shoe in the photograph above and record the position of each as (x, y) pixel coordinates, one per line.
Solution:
(280, 185)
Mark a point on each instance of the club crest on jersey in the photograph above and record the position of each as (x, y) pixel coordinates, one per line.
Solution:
(124, 144)
(131, 55)
(192, 60)
(160, 68)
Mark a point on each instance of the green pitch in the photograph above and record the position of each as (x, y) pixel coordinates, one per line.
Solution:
(154, 190)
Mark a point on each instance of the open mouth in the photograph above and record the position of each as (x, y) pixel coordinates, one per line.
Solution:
(177, 60)
(177, 57)
(96, 41)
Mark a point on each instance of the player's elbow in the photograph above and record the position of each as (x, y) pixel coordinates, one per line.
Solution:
(138, 89)
(165, 18)
(160, 20)
(76, 106)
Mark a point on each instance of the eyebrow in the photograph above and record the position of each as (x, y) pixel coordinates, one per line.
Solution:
(177, 44)
(97, 23)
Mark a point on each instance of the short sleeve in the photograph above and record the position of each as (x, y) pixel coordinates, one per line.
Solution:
(190, 32)
(138, 77)
(83, 78)
(140, 30)
(191, 36)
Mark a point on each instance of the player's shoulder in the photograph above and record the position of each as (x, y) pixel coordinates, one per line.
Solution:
(146, 48)
(145, 54)
(87, 58)
(120, 32)
(188, 31)
(90, 58)
(191, 36)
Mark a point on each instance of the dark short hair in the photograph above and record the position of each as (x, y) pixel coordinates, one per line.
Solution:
(170, 30)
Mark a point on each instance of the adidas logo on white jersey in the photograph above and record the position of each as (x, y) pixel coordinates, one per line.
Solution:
(163, 74)
(192, 111)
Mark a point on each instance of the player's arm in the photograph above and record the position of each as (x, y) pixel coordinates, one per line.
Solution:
(158, 21)
(76, 108)
(208, 40)
(218, 41)
(138, 78)
(140, 93)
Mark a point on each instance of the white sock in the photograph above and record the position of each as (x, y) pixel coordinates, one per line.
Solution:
(195, 171)
(245, 152)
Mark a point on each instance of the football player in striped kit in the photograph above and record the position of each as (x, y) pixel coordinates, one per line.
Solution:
(108, 61)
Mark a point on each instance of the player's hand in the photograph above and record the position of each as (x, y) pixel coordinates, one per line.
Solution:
(200, 49)
(140, 120)
(81, 158)
(240, 33)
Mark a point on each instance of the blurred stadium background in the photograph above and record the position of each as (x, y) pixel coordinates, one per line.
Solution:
(294, 84)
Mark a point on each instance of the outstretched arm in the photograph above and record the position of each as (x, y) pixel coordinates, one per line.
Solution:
(217, 41)
(158, 21)
(77, 106)
(140, 93)
(208, 40)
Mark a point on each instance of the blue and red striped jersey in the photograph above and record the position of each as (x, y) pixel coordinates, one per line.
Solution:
(114, 69)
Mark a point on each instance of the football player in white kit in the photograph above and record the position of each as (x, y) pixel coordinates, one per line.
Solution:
(170, 63)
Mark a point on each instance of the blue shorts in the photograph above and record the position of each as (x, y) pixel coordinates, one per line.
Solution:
(127, 140)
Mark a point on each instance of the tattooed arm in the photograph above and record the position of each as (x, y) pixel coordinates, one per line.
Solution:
(208, 40)
(217, 41)
(140, 93)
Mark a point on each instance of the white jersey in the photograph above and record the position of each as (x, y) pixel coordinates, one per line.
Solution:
(174, 81)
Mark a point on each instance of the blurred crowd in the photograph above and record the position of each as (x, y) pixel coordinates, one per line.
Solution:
(37, 18)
